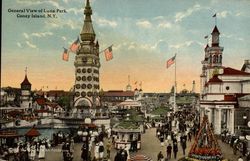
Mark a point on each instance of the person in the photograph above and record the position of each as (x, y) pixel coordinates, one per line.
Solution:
(175, 149)
(127, 151)
(169, 150)
(101, 150)
(160, 156)
(42, 151)
(84, 154)
(108, 148)
(183, 145)
(240, 158)
(96, 151)
(32, 152)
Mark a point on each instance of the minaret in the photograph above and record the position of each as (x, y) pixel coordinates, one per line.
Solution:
(128, 87)
(25, 98)
(193, 87)
(87, 64)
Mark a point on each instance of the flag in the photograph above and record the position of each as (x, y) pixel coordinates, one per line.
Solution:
(65, 55)
(108, 53)
(214, 15)
(170, 61)
(74, 45)
(135, 82)
(206, 37)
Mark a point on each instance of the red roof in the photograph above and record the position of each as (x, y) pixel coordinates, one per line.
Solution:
(119, 93)
(231, 71)
(41, 101)
(25, 81)
(215, 30)
(230, 98)
(33, 132)
(215, 79)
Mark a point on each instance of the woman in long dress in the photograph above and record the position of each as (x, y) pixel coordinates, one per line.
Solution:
(96, 151)
(42, 152)
(32, 152)
(127, 150)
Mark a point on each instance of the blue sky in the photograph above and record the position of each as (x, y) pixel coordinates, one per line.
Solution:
(145, 34)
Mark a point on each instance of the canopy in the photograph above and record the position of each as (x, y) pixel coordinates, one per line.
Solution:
(33, 133)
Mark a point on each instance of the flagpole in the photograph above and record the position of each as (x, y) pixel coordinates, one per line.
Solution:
(175, 85)
(105, 49)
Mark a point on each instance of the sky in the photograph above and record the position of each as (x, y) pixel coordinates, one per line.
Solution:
(144, 34)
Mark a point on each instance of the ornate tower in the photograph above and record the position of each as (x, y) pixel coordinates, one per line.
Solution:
(128, 87)
(87, 64)
(212, 63)
(25, 99)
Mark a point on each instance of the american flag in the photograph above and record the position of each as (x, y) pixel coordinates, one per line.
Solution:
(170, 61)
(65, 55)
(74, 45)
(108, 53)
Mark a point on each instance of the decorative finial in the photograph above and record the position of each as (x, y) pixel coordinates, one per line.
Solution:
(26, 70)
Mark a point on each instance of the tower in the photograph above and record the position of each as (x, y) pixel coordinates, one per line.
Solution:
(128, 87)
(25, 99)
(212, 63)
(193, 87)
(87, 64)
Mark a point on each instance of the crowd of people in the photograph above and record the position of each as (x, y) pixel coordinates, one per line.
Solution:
(176, 130)
(25, 150)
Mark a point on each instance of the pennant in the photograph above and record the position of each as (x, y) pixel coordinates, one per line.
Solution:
(65, 55)
(74, 45)
(170, 61)
(206, 37)
(214, 15)
(108, 53)
(135, 82)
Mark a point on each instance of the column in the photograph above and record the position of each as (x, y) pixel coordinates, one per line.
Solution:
(217, 123)
(232, 121)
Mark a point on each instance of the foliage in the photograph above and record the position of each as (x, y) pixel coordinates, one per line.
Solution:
(160, 110)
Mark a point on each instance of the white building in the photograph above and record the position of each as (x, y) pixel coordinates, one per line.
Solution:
(221, 86)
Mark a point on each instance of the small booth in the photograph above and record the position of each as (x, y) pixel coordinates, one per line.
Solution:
(9, 137)
(127, 134)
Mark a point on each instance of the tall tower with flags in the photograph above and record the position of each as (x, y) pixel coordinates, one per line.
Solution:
(25, 99)
(87, 64)
(212, 63)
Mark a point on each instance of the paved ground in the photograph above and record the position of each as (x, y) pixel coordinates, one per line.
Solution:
(150, 147)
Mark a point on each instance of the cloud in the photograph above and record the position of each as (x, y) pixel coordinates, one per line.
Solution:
(41, 34)
(64, 38)
(144, 24)
(105, 22)
(38, 2)
(185, 44)
(19, 44)
(165, 25)
(76, 11)
(59, 23)
(223, 14)
(180, 15)
(26, 35)
(31, 45)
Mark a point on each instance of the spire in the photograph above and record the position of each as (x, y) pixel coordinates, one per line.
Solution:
(87, 33)
(25, 81)
(215, 37)
(215, 30)
(207, 46)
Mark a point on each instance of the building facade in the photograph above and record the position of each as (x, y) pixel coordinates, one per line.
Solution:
(87, 64)
(221, 87)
